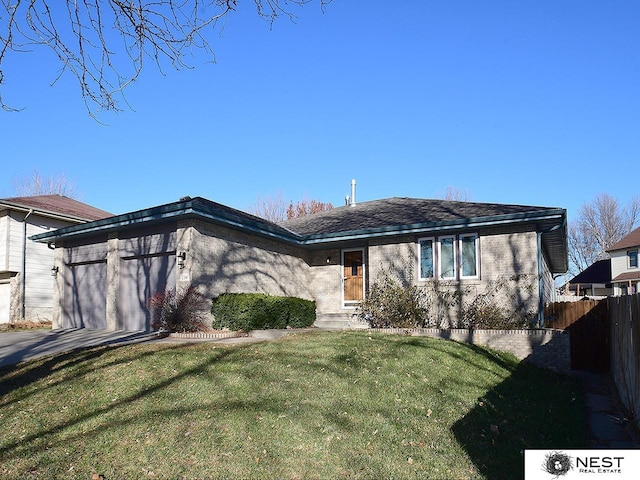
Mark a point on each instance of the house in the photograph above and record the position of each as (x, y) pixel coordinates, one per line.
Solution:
(26, 283)
(108, 269)
(625, 272)
(595, 280)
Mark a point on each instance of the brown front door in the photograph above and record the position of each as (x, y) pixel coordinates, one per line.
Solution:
(353, 276)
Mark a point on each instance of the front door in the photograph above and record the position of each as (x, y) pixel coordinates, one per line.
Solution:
(353, 276)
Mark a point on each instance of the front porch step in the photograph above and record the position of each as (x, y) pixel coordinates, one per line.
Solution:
(339, 321)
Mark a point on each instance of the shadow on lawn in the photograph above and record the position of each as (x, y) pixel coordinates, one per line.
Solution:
(41, 370)
(14, 377)
(517, 415)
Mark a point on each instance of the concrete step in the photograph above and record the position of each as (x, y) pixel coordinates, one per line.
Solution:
(339, 321)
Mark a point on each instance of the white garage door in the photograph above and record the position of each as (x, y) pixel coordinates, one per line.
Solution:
(85, 296)
(5, 302)
(140, 279)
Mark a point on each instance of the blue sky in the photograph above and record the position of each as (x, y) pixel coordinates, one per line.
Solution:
(530, 102)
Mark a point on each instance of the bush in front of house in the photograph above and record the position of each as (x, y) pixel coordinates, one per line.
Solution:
(392, 302)
(487, 309)
(179, 310)
(258, 311)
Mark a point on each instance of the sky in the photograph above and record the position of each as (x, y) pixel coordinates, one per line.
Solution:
(529, 102)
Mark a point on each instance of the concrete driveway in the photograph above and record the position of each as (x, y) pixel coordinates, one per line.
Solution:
(16, 347)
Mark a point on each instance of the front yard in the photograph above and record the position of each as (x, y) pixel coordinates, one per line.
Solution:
(317, 405)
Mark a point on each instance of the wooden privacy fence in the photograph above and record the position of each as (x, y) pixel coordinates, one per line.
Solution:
(587, 322)
(625, 350)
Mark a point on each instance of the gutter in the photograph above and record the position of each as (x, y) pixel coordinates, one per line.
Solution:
(280, 233)
(426, 227)
(167, 212)
(23, 282)
(45, 213)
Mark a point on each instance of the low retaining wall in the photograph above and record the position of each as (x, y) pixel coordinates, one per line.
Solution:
(207, 335)
(544, 347)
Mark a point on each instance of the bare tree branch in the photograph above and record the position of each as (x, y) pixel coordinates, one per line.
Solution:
(104, 43)
(276, 209)
(36, 184)
(457, 194)
(600, 224)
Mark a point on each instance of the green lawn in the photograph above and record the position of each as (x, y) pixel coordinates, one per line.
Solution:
(317, 405)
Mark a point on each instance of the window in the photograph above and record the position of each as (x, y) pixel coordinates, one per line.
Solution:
(426, 258)
(469, 256)
(632, 255)
(449, 257)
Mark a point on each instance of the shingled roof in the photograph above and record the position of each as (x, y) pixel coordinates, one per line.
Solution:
(402, 212)
(597, 272)
(631, 240)
(56, 205)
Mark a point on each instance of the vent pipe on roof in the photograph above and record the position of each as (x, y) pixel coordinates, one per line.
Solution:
(352, 199)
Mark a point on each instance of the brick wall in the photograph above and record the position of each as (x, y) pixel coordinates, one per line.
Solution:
(326, 281)
(508, 265)
(224, 260)
(545, 348)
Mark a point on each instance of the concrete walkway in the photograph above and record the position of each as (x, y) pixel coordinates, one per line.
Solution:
(608, 426)
(16, 347)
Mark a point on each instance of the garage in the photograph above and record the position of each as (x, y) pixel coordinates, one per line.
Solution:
(146, 268)
(85, 296)
(85, 286)
(140, 279)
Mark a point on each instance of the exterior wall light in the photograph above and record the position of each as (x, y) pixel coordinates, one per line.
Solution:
(181, 257)
(54, 271)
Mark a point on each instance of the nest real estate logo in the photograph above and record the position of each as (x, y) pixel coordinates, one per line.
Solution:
(581, 464)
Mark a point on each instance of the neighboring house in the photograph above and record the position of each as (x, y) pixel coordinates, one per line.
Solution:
(26, 282)
(108, 269)
(625, 271)
(595, 280)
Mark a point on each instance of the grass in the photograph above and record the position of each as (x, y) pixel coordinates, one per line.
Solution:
(26, 325)
(317, 405)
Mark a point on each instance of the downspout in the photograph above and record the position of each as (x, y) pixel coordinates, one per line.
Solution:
(540, 287)
(23, 283)
(541, 273)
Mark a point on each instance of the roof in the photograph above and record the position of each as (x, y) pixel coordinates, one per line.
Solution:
(631, 240)
(379, 218)
(597, 272)
(625, 277)
(401, 212)
(186, 208)
(401, 215)
(55, 205)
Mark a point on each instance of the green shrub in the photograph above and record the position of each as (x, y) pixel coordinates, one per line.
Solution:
(258, 311)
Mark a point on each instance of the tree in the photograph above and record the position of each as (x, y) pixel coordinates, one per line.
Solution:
(457, 194)
(106, 43)
(599, 225)
(306, 207)
(272, 208)
(36, 184)
(276, 209)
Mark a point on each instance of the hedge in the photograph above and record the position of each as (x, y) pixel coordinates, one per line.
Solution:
(258, 311)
